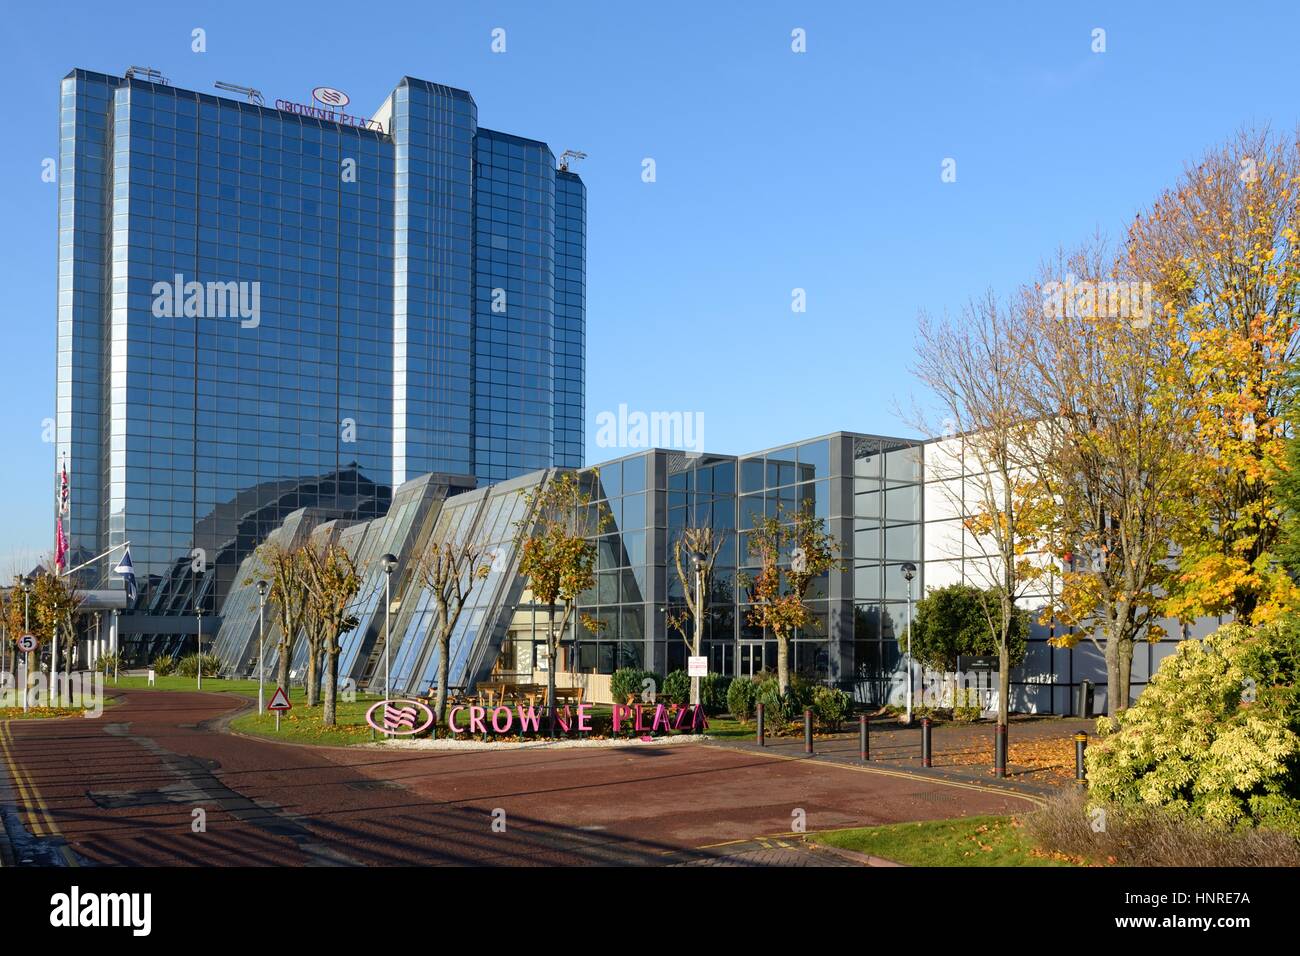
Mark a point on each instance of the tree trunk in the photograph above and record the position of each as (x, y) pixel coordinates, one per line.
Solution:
(444, 670)
(1113, 679)
(782, 663)
(1125, 673)
(313, 679)
(1004, 683)
(283, 666)
(553, 653)
(331, 687)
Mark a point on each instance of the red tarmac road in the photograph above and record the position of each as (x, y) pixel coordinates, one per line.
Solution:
(124, 788)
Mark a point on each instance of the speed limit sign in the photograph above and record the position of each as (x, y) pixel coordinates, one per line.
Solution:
(28, 643)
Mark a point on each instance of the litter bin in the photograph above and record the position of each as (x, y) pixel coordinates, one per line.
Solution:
(1083, 699)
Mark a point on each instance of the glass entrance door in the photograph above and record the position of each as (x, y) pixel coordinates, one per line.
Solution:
(751, 659)
(722, 659)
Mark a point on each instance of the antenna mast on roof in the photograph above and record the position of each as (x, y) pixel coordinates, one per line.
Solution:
(147, 73)
(254, 96)
(567, 155)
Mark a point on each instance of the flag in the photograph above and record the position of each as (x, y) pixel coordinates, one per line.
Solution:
(60, 546)
(61, 539)
(127, 570)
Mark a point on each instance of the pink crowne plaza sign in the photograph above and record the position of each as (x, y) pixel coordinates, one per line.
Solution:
(640, 718)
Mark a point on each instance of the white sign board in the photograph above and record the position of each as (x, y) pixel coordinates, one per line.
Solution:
(28, 643)
(697, 666)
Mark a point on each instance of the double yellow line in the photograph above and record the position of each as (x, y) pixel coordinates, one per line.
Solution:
(39, 821)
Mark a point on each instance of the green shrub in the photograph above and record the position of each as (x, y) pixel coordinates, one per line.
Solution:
(713, 693)
(741, 697)
(164, 666)
(107, 663)
(1215, 736)
(631, 680)
(966, 705)
(802, 689)
(831, 706)
(676, 688)
(777, 706)
(188, 666)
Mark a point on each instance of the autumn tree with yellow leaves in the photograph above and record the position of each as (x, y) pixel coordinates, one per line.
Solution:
(1114, 462)
(1220, 252)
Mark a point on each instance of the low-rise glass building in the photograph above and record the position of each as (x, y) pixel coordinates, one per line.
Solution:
(865, 488)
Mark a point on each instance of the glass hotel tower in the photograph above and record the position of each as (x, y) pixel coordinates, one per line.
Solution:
(420, 294)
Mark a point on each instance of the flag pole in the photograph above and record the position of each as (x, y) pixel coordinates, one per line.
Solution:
(124, 544)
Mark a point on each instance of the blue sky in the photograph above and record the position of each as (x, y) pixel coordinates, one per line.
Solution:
(775, 170)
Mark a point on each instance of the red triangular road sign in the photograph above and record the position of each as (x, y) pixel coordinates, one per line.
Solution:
(279, 700)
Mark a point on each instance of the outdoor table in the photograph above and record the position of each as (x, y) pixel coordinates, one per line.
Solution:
(566, 694)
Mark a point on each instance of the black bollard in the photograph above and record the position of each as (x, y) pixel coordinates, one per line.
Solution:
(807, 732)
(759, 712)
(864, 737)
(1000, 751)
(1080, 744)
(926, 751)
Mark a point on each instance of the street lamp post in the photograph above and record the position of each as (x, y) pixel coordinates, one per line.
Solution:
(27, 629)
(699, 558)
(261, 646)
(52, 696)
(390, 563)
(909, 572)
(199, 614)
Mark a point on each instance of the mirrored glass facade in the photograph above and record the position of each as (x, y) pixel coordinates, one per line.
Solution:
(865, 488)
(261, 311)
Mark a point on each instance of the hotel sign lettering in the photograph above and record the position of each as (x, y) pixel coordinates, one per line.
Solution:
(401, 717)
(329, 115)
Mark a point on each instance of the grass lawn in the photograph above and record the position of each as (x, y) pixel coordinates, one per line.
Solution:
(174, 682)
(967, 841)
(728, 727)
(303, 726)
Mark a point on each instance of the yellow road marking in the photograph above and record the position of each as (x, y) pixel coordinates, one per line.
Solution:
(15, 772)
(41, 822)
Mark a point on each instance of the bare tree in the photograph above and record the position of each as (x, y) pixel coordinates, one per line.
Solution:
(974, 369)
(698, 546)
(450, 569)
(332, 582)
(288, 598)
